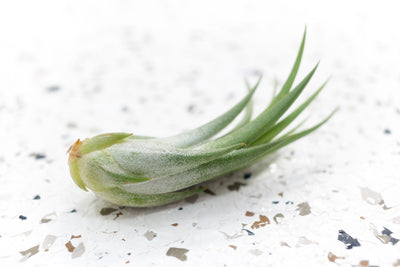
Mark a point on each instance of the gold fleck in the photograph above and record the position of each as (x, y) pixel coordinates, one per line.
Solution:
(261, 223)
(69, 246)
(332, 257)
(249, 213)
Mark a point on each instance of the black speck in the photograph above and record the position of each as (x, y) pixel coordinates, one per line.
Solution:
(129, 254)
(36, 197)
(22, 217)
(247, 175)
(349, 241)
(208, 191)
(73, 211)
(387, 131)
(389, 233)
(248, 232)
(275, 202)
(289, 202)
(180, 208)
(38, 156)
(53, 88)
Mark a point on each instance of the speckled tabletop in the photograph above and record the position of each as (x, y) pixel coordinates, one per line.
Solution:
(75, 69)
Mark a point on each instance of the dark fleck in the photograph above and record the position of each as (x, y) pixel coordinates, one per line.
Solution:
(45, 220)
(53, 88)
(278, 217)
(129, 253)
(386, 231)
(107, 211)
(190, 108)
(289, 202)
(349, 241)
(236, 186)
(208, 191)
(72, 125)
(247, 175)
(248, 232)
(304, 208)
(124, 109)
(38, 156)
(73, 211)
(30, 252)
(275, 202)
(180, 208)
(117, 215)
(150, 235)
(389, 234)
(179, 253)
(387, 131)
(22, 217)
(36, 197)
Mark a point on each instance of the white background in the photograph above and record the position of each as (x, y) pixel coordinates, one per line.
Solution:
(74, 69)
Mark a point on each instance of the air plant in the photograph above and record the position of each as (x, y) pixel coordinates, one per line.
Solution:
(142, 171)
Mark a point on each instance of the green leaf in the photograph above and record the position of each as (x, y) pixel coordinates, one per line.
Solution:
(235, 160)
(124, 178)
(291, 138)
(289, 81)
(247, 114)
(226, 164)
(279, 127)
(149, 158)
(102, 141)
(211, 128)
(263, 122)
(76, 177)
(121, 197)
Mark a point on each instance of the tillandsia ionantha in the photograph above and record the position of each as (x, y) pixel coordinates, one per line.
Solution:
(141, 171)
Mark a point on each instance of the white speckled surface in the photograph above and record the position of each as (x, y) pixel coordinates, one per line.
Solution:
(74, 69)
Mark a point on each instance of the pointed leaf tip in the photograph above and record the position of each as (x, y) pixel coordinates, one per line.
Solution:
(102, 141)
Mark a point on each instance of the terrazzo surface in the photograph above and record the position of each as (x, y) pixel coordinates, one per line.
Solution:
(75, 69)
